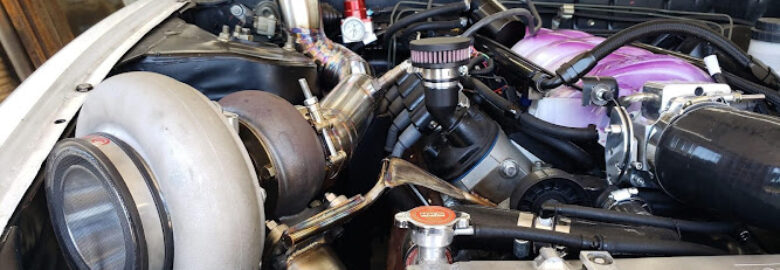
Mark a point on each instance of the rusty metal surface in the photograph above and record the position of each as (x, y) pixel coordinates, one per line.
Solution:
(296, 155)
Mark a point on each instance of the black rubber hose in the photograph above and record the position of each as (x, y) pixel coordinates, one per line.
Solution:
(528, 18)
(632, 245)
(750, 87)
(488, 95)
(409, 137)
(574, 69)
(427, 26)
(598, 214)
(563, 132)
(388, 98)
(476, 60)
(491, 66)
(568, 148)
(453, 8)
(400, 123)
(535, 13)
(395, 107)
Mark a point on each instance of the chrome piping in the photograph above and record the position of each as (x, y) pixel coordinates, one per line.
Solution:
(348, 108)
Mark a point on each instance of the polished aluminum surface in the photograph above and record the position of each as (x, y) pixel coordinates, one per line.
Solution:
(395, 172)
(141, 194)
(204, 172)
(488, 178)
(301, 13)
(92, 220)
(432, 240)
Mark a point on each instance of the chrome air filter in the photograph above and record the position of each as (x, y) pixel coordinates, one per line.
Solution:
(440, 52)
(105, 207)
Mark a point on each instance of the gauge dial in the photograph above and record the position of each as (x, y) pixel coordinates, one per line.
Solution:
(353, 29)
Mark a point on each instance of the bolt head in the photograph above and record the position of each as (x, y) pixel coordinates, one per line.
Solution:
(509, 168)
(463, 70)
(236, 10)
(267, 172)
(637, 165)
(615, 129)
(84, 87)
(330, 196)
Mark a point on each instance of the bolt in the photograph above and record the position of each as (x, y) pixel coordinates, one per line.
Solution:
(638, 181)
(509, 168)
(637, 165)
(464, 70)
(521, 248)
(613, 129)
(699, 91)
(305, 87)
(462, 223)
(84, 87)
(599, 260)
(267, 172)
(236, 10)
(270, 224)
(263, 194)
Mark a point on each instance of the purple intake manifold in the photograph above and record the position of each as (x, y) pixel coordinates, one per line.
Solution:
(630, 66)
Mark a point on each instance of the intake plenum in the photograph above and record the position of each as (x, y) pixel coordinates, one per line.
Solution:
(725, 160)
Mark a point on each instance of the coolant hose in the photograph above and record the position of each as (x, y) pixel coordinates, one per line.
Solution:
(453, 8)
(632, 245)
(571, 71)
(598, 214)
(529, 20)
(563, 132)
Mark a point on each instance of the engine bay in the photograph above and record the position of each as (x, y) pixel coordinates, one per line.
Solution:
(384, 134)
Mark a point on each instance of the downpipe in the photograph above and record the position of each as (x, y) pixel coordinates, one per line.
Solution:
(342, 117)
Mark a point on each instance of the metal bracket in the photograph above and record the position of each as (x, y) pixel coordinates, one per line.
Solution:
(597, 260)
(566, 12)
